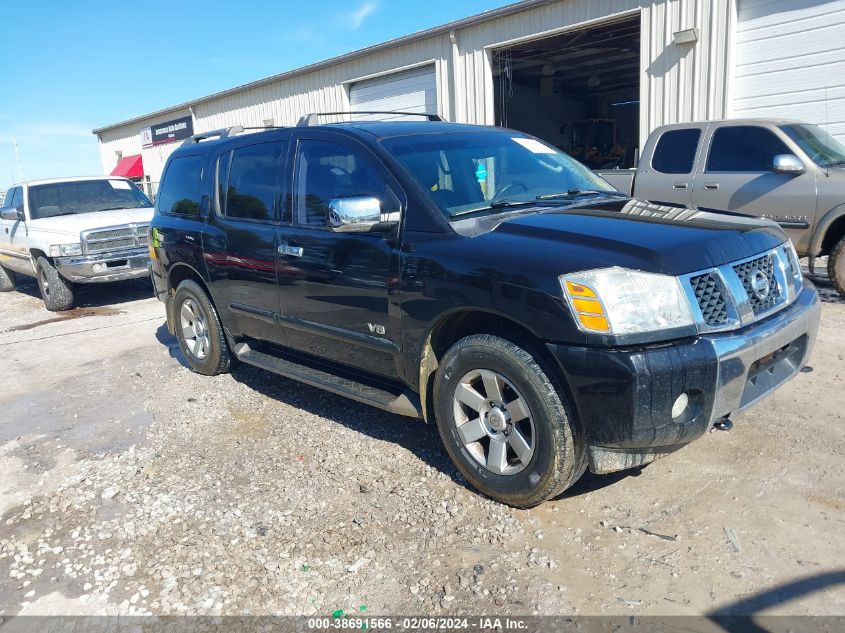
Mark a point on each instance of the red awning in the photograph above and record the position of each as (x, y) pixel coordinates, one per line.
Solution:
(129, 167)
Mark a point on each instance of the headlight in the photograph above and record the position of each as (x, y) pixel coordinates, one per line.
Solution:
(621, 301)
(64, 250)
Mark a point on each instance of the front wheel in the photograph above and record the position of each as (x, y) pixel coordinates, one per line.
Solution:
(836, 266)
(503, 422)
(56, 291)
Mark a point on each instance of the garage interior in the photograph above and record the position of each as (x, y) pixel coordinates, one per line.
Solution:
(579, 90)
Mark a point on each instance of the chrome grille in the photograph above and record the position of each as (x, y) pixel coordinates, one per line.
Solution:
(115, 238)
(711, 296)
(750, 272)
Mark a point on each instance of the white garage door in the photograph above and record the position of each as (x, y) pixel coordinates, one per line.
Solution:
(790, 61)
(409, 91)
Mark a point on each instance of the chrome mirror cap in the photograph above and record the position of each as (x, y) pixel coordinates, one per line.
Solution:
(787, 164)
(358, 214)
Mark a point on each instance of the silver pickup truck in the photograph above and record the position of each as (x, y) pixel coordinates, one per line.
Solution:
(787, 171)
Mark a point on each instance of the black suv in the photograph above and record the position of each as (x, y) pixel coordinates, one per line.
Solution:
(478, 278)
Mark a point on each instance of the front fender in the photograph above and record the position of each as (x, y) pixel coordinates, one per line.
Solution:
(822, 227)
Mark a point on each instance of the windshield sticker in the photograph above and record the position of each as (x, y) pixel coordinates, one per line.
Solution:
(120, 184)
(481, 172)
(535, 146)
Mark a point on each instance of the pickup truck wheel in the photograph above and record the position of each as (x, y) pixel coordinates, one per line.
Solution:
(56, 291)
(7, 280)
(199, 331)
(504, 423)
(836, 266)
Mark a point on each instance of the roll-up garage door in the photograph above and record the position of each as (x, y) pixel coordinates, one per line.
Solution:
(789, 61)
(408, 91)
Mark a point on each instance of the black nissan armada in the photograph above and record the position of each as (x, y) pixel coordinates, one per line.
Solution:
(480, 279)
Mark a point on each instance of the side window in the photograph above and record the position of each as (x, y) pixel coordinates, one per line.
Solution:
(675, 151)
(251, 190)
(15, 197)
(180, 190)
(327, 170)
(744, 148)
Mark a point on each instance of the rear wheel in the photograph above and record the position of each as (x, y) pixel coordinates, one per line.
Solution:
(8, 280)
(56, 291)
(199, 331)
(503, 422)
(836, 266)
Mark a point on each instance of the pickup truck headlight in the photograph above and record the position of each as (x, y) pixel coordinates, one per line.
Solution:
(620, 301)
(65, 250)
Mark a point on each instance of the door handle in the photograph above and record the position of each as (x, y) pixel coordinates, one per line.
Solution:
(293, 251)
(710, 186)
(680, 185)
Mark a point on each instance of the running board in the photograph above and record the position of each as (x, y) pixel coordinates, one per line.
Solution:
(406, 404)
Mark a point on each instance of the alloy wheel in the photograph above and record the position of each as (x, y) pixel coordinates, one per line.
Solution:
(194, 328)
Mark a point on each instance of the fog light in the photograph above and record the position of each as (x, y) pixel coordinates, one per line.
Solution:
(680, 405)
(98, 267)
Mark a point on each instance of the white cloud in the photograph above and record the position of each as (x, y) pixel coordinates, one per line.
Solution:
(357, 17)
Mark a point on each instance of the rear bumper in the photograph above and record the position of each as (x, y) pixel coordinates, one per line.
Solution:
(104, 267)
(624, 397)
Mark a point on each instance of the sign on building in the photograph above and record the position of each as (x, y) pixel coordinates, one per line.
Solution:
(168, 131)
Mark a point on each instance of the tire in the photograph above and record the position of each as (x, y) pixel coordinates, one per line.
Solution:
(8, 280)
(199, 331)
(836, 266)
(556, 455)
(56, 291)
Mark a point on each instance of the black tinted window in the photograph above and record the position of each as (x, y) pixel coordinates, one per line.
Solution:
(675, 151)
(180, 190)
(325, 171)
(251, 184)
(744, 148)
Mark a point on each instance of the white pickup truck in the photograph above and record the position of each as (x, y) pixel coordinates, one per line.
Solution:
(73, 230)
(786, 171)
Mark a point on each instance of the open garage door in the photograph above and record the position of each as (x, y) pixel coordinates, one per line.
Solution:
(580, 91)
(408, 91)
(789, 61)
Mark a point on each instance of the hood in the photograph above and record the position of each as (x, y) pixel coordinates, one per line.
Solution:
(74, 224)
(625, 232)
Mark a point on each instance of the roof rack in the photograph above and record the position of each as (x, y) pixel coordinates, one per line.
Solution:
(311, 119)
(222, 133)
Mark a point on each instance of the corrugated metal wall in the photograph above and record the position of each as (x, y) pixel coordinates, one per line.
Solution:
(679, 82)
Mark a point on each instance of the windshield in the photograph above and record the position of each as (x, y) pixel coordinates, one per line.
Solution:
(479, 171)
(821, 147)
(84, 196)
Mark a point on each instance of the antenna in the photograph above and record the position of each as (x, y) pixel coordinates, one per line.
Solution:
(18, 158)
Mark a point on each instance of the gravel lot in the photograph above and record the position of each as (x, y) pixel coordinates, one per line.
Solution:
(131, 486)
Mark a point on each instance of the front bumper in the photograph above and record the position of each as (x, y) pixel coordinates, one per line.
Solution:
(104, 267)
(624, 397)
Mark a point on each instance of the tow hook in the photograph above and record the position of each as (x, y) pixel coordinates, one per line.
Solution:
(724, 424)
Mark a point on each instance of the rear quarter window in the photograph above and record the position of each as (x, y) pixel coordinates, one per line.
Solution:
(675, 151)
(179, 193)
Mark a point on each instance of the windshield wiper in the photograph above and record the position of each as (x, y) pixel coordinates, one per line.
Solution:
(496, 204)
(836, 163)
(575, 191)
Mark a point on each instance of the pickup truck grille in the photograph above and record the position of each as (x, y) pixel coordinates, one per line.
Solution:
(711, 296)
(740, 292)
(750, 272)
(115, 238)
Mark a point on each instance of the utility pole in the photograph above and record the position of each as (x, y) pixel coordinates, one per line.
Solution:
(18, 158)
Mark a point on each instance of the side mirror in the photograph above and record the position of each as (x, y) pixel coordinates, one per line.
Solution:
(788, 164)
(359, 214)
(12, 213)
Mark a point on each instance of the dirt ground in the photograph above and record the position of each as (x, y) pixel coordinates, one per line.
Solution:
(130, 485)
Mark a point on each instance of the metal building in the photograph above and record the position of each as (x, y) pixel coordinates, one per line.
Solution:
(593, 77)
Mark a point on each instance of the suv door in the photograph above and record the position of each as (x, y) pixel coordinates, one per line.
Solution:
(240, 238)
(669, 177)
(738, 177)
(339, 290)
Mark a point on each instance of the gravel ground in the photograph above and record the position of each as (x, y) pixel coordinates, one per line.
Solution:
(133, 486)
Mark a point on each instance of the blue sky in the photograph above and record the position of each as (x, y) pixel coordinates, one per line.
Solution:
(68, 67)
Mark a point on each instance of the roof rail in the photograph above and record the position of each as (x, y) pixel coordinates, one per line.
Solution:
(311, 119)
(222, 133)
